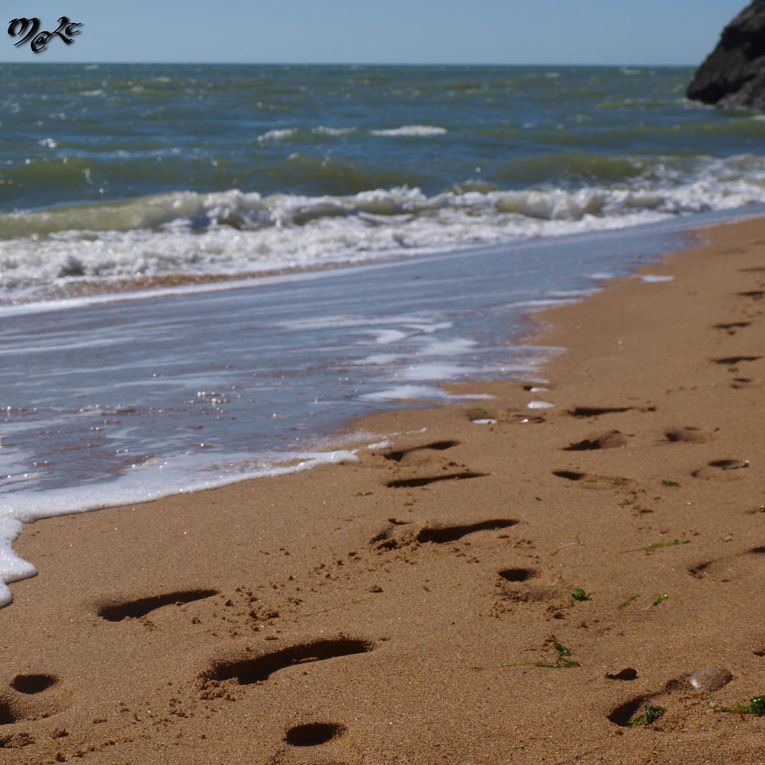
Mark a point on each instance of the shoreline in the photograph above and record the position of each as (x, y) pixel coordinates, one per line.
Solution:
(426, 584)
(87, 291)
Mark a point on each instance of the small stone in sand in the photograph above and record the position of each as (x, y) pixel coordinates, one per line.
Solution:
(710, 679)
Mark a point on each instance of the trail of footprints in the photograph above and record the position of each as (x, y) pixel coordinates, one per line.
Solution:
(246, 669)
(723, 569)
(397, 533)
(401, 455)
(745, 322)
(35, 696)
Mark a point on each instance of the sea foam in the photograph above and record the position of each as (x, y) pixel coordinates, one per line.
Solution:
(236, 233)
(145, 482)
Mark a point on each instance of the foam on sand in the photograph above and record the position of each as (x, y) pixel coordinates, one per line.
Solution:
(145, 482)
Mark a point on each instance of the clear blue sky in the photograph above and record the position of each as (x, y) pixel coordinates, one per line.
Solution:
(379, 31)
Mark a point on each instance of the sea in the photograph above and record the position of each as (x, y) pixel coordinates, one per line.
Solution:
(207, 272)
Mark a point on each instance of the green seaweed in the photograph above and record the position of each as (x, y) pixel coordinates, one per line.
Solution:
(660, 598)
(672, 484)
(562, 660)
(579, 594)
(631, 599)
(648, 715)
(755, 707)
(660, 545)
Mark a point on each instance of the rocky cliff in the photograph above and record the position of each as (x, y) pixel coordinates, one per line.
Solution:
(733, 76)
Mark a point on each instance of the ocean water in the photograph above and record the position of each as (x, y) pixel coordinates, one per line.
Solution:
(111, 173)
(448, 201)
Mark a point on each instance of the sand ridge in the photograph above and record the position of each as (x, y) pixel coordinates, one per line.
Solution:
(509, 592)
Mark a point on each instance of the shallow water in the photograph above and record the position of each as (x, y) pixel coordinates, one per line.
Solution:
(127, 399)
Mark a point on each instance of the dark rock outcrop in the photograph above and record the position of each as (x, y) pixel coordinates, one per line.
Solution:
(733, 75)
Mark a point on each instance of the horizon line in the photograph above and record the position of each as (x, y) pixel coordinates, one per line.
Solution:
(341, 63)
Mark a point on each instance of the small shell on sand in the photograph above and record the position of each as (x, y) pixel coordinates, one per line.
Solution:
(710, 679)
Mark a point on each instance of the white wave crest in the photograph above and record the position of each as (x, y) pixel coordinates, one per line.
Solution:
(276, 135)
(237, 233)
(414, 131)
(323, 130)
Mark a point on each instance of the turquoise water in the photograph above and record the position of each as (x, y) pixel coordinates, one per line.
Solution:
(451, 201)
(110, 173)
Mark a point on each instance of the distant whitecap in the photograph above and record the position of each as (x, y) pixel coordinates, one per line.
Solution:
(412, 131)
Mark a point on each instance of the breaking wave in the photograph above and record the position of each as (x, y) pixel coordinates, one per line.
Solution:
(229, 233)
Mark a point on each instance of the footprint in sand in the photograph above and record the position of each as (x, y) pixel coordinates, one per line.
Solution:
(414, 483)
(117, 611)
(397, 535)
(626, 711)
(313, 734)
(33, 684)
(730, 567)
(688, 435)
(316, 743)
(732, 326)
(515, 575)
(732, 362)
(400, 455)
(722, 470)
(521, 585)
(610, 439)
(31, 697)
(740, 383)
(442, 534)
(597, 411)
(706, 680)
(622, 714)
(592, 481)
(246, 669)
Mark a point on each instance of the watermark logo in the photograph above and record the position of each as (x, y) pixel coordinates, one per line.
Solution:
(29, 32)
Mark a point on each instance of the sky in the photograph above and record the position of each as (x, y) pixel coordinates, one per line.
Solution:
(672, 32)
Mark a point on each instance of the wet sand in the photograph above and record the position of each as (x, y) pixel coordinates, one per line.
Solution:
(417, 607)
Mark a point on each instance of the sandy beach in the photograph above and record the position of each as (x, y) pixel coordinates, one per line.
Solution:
(513, 592)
